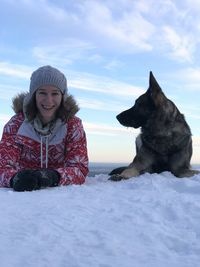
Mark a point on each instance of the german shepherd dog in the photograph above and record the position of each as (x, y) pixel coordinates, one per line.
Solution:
(164, 143)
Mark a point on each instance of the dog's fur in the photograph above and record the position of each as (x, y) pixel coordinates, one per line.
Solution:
(164, 143)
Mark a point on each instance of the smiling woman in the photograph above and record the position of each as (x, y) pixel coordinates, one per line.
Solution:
(44, 144)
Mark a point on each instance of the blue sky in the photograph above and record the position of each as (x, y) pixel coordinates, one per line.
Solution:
(106, 49)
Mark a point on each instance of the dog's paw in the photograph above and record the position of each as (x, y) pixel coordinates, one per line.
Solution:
(187, 173)
(116, 177)
(117, 171)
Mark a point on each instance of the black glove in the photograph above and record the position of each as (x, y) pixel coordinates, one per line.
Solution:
(28, 180)
(24, 180)
(47, 177)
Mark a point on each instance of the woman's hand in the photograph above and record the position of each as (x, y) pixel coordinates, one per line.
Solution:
(28, 180)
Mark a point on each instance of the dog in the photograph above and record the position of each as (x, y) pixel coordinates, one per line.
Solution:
(164, 143)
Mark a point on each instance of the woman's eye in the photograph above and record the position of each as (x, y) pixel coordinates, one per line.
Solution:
(52, 94)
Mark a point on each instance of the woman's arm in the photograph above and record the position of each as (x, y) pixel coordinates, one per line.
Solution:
(9, 151)
(76, 159)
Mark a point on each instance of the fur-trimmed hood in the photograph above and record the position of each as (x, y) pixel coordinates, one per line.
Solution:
(70, 105)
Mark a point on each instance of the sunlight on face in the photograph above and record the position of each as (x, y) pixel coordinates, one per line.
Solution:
(48, 100)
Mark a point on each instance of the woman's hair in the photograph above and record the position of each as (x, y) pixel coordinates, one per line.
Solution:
(63, 112)
(31, 109)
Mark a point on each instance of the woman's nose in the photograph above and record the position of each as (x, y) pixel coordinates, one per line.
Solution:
(48, 98)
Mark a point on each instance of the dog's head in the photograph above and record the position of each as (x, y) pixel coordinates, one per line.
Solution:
(144, 106)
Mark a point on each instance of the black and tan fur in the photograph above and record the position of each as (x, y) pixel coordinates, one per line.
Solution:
(164, 143)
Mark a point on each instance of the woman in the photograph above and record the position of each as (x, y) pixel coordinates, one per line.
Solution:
(44, 144)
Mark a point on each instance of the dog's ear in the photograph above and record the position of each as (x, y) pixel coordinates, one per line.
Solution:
(155, 91)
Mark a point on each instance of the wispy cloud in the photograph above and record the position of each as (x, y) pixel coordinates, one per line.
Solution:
(191, 74)
(104, 129)
(68, 52)
(128, 28)
(15, 70)
(88, 82)
(181, 47)
(189, 77)
(122, 26)
(94, 104)
(78, 80)
(113, 64)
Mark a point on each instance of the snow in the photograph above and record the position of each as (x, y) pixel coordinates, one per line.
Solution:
(151, 220)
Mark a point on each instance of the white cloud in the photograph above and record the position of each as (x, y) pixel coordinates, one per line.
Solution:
(15, 70)
(104, 129)
(190, 78)
(181, 47)
(193, 5)
(69, 51)
(191, 74)
(45, 7)
(127, 29)
(78, 80)
(113, 64)
(95, 104)
(128, 26)
(88, 82)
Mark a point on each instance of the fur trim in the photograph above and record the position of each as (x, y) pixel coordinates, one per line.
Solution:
(17, 102)
(70, 105)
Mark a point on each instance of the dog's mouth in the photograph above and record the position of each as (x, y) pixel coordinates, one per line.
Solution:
(126, 122)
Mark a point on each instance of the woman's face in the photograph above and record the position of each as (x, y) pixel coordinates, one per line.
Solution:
(48, 100)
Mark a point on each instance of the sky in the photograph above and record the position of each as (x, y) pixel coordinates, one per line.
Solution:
(106, 49)
(151, 220)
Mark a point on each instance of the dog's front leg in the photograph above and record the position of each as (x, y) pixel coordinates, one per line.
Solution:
(126, 174)
(142, 162)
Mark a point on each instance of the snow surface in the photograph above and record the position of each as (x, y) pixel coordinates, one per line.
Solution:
(148, 221)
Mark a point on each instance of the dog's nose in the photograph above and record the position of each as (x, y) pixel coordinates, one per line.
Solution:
(118, 116)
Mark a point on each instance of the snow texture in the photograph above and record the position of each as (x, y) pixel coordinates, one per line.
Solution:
(151, 220)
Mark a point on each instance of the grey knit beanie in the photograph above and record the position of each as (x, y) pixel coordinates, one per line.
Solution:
(47, 75)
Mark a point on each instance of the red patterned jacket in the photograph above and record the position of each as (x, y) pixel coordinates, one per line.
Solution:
(65, 150)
